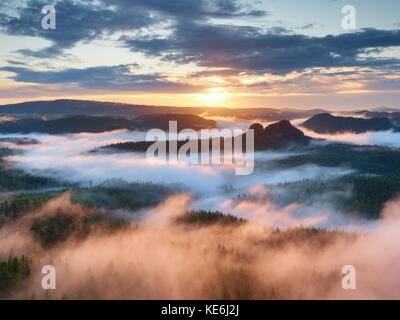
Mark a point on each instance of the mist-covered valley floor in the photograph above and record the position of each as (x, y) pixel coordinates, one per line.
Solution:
(118, 226)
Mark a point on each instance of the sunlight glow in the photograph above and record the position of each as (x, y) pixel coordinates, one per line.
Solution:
(213, 96)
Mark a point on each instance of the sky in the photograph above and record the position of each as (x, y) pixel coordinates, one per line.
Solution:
(217, 53)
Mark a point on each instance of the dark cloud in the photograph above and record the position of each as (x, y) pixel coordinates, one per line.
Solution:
(189, 9)
(76, 21)
(14, 62)
(98, 78)
(87, 20)
(308, 26)
(252, 49)
(194, 37)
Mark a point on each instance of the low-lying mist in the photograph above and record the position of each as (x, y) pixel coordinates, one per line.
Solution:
(377, 138)
(154, 256)
(68, 157)
(158, 258)
(215, 187)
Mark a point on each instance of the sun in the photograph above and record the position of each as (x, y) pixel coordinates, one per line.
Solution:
(213, 96)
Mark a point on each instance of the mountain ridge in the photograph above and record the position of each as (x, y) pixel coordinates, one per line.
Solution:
(91, 107)
(274, 136)
(325, 123)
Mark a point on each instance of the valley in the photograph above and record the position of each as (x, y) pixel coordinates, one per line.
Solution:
(74, 187)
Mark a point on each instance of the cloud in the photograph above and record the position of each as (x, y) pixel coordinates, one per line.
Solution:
(159, 259)
(245, 48)
(202, 33)
(193, 9)
(87, 20)
(118, 77)
(192, 37)
(308, 26)
(76, 21)
(378, 138)
(66, 157)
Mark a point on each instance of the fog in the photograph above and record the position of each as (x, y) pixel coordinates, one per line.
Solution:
(159, 259)
(68, 157)
(378, 138)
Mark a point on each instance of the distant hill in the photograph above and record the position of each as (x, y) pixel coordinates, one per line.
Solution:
(73, 124)
(67, 107)
(83, 123)
(327, 123)
(393, 116)
(75, 107)
(269, 114)
(274, 136)
(19, 141)
(277, 135)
